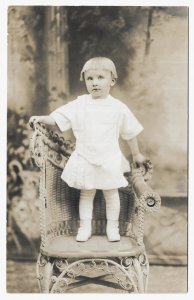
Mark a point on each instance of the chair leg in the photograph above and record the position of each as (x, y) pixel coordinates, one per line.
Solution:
(44, 271)
(138, 269)
(141, 267)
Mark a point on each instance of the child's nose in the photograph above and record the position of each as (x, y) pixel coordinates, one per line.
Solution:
(95, 81)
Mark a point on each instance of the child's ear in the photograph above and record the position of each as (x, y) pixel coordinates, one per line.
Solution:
(113, 81)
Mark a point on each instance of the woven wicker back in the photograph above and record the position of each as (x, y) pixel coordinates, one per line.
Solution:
(61, 207)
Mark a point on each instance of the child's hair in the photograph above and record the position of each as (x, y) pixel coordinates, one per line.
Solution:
(99, 63)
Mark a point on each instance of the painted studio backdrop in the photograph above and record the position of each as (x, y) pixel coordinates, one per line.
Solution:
(47, 47)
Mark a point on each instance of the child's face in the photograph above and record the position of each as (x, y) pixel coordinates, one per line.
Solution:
(98, 82)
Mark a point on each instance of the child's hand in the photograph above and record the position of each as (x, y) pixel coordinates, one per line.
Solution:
(139, 159)
(48, 120)
(35, 119)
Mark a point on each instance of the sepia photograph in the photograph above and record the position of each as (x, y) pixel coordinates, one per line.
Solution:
(97, 149)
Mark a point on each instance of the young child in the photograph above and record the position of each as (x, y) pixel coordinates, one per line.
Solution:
(97, 120)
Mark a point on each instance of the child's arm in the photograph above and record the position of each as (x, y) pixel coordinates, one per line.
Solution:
(136, 154)
(42, 119)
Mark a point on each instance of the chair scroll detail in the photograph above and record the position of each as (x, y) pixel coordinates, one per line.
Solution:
(64, 263)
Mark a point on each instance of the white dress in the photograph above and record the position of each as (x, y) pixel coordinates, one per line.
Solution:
(97, 124)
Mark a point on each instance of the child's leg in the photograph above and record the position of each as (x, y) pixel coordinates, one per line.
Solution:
(112, 212)
(85, 213)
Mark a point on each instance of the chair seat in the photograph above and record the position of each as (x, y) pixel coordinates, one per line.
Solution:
(96, 246)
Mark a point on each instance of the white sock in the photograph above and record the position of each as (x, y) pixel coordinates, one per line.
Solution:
(112, 204)
(86, 204)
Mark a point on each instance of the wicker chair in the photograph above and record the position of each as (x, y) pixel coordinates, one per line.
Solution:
(64, 263)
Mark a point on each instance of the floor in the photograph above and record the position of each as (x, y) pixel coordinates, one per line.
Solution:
(21, 278)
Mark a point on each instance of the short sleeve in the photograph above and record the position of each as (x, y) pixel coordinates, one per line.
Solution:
(64, 116)
(129, 125)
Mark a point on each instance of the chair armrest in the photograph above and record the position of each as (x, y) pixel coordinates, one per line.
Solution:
(148, 199)
(45, 143)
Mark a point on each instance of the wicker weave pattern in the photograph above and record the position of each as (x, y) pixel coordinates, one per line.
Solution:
(59, 213)
(62, 206)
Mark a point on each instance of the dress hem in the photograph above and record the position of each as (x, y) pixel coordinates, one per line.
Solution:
(92, 188)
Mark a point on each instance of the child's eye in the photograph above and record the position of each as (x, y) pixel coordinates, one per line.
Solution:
(89, 78)
(100, 77)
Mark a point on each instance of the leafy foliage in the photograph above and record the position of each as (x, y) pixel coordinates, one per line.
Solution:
(18, 154)
(22, 183)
